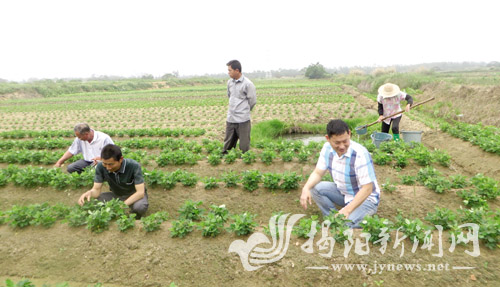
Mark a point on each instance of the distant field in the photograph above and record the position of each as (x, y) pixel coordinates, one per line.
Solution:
(202, 106)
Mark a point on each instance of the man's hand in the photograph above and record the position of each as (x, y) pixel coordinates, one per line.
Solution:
(407, 109)
(305, 198)
(58, 164)
(85, 197)
(380, 118)
(95, 160)
(345, 212)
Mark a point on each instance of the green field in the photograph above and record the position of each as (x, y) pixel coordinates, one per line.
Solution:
(175, 129)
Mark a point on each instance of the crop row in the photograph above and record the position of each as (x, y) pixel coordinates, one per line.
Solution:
(157, 100)
(136, 143)
(140, 143)
(28, 283)
(475, 192)
(173, 151)
(159, 132)
(399, 153)
(98, 215)
(250, 180)
(378, 229)
(165, 158)
(99, 90)
(486, 137)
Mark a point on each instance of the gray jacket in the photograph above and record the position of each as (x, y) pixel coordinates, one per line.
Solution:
(242, 99)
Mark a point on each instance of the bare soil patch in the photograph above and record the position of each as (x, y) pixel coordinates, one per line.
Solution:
(472, 104)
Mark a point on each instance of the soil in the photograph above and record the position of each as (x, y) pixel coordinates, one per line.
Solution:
(137, 258)
(470, 104)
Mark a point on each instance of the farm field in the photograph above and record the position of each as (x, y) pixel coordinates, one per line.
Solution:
(176, 134)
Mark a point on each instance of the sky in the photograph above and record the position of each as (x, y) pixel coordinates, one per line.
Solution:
(79, 39)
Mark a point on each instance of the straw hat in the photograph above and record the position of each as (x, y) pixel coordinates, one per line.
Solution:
(388, 90)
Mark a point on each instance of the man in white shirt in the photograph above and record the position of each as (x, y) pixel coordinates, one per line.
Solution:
(89, 143)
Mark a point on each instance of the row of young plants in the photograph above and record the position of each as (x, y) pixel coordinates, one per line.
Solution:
(250, 180)
(97, 217)
(36, 144)
(165, 158)
(271, 150)
(28, 283)
(267, 156)
(475, 192)
(399, 154)
(180, 152)
(151, 132)
(33, 157)
(486, 137)
(94, 214)
(174, 151)
(211, 223)
(415, 230)
(60, 143)
(30, 177)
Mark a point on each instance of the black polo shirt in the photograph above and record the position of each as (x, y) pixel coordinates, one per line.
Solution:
(123, 181)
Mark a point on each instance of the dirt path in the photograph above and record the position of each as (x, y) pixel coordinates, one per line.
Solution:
(465, 155)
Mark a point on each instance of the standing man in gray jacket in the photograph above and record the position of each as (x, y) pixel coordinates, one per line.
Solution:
(242, 99)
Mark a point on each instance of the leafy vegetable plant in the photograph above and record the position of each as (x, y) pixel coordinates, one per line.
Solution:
(191, 210)
(181, 227)
(126, 222)
(376, 227)
(243, 224)
(153, 222)
(303, 229)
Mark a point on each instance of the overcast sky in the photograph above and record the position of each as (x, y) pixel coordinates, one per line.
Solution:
(75, 38)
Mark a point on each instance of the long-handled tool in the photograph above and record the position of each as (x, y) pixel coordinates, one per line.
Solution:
(361, 130)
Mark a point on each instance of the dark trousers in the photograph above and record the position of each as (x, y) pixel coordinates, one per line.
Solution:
(235, 131)
(395, 126)
(139, 207)
(78, 166)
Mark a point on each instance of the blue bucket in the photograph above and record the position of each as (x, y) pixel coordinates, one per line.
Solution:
(377, 138)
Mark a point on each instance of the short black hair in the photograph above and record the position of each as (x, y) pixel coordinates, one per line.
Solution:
(111, 151)
(235, 65)
(337, 127)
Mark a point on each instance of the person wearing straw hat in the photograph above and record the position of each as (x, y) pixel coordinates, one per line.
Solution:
(389, 99)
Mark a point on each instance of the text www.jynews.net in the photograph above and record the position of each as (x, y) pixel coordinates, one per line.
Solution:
(390, 267)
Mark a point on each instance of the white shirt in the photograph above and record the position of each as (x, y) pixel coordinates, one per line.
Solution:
(93, 149)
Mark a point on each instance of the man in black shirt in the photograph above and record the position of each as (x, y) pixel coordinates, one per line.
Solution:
(125, 180)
